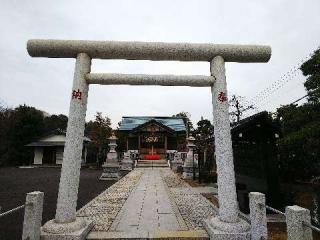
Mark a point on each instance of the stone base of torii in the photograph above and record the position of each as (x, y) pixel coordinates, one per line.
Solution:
(66, 225)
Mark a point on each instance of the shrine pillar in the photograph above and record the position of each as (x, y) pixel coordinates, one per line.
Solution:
(227, 223)
(139, 143)
(65, 221)
(165, 144)
(127, 143)
(228, 205)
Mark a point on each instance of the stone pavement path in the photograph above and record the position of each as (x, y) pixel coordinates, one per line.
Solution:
(149, 208)
(148, 203)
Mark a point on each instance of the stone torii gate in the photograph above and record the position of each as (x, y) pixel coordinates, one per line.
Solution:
(227, 223)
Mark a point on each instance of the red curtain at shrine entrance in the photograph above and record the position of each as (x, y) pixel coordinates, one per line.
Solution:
(151, 157)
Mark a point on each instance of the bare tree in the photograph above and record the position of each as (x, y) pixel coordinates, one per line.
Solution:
(238, 107)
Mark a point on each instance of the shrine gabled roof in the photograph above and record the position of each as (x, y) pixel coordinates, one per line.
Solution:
(152, 122)
(129, 123)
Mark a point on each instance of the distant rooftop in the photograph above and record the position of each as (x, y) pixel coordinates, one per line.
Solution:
(45, 141)
(129, 123)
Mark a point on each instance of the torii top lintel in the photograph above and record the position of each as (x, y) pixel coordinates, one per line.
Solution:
(156, 51)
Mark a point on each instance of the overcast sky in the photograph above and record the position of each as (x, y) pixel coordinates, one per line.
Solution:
(291, 28)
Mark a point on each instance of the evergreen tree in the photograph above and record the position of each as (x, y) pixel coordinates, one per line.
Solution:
(300, 146)
(186, 119)
(99, 131)
(53, 122)
(311, 69)
(22, 125)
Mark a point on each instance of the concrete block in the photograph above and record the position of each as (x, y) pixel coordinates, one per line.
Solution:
(32, 216)
(258, 216)
(295, 216)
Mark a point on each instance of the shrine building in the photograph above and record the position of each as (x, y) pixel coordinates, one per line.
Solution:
(153, 136)
(49, 148)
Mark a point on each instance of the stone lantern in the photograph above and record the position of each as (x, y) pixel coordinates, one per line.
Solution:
(111, 165)
(127, 163)
(188, 163)
(177, 161)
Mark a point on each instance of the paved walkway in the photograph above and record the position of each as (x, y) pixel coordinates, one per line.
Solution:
(149, 208)
(148, 203)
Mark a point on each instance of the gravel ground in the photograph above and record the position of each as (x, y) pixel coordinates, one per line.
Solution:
(15, 183)
(193, 207)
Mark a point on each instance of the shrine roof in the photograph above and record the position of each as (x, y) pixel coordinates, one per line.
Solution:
(129, 123)
(56, 137)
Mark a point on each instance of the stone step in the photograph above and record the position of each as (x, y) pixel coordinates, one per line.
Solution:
(150, 166)
(152, 163)
(189, 234)
(160, 166)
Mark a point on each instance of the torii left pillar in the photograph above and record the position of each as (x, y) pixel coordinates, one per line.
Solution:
(66, 225)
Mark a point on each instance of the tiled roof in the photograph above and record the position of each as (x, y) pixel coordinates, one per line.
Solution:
(41, 142)
(129, 123)
(45, 144)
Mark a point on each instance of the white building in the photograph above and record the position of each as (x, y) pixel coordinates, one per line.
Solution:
(48, 149)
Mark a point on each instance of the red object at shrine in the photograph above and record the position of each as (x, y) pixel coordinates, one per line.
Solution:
(76, 94)
(222, 97)
(151, 157)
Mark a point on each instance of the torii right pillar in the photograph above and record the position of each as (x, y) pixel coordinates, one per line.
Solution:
(227, 225)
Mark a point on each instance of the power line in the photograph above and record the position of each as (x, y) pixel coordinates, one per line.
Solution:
(262, 96)
(299, 99)
(276, 94)
(267, 92)
(278, 87)
(307, 95)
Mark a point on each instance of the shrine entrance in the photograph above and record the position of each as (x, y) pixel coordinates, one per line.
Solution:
(152, 144)
(151, 137)
(228, 222)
